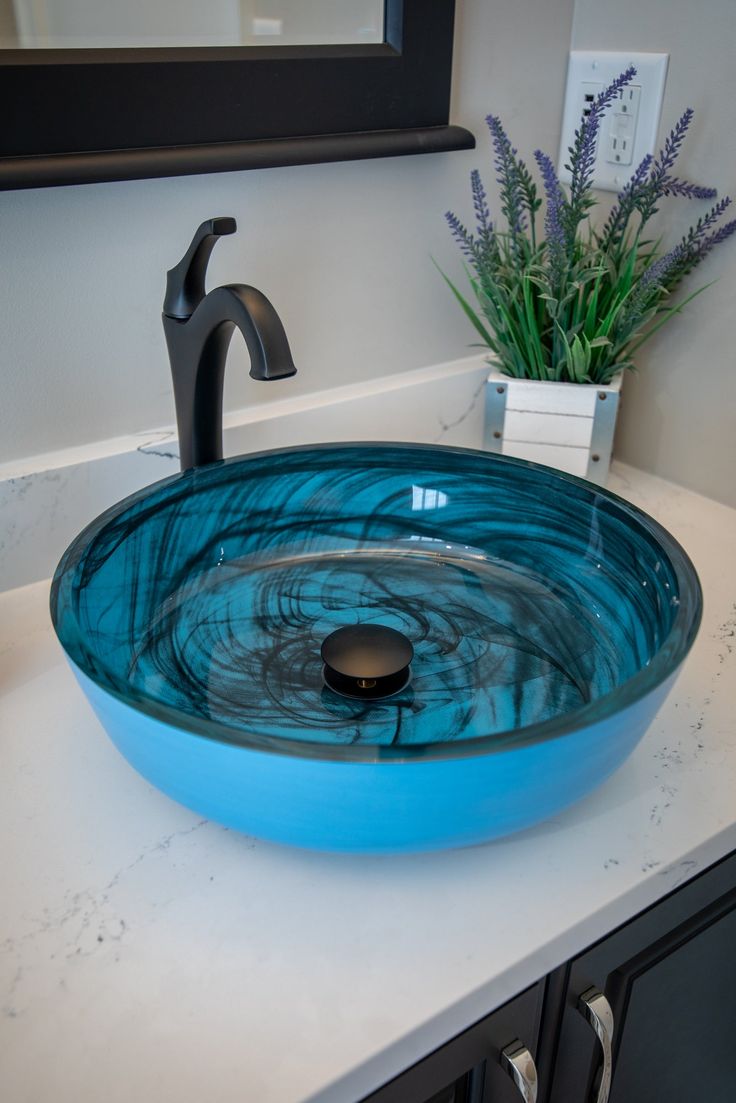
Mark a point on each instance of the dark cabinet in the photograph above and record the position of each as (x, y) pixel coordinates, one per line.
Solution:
(471, 1068)
(669, 977)
(646, 1015)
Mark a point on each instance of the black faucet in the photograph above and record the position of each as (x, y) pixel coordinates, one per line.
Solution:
(198, 328)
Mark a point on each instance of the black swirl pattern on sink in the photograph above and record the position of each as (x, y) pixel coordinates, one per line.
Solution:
(524, 595)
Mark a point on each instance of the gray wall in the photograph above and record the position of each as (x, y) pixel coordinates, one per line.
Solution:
(344, 251)
(7, 24)
(679, 411)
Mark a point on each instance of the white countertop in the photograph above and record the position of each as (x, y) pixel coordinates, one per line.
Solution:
(145, 955)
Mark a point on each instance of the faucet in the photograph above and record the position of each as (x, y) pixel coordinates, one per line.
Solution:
(198, 328)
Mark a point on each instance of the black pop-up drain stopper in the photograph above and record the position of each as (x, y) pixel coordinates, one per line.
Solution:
(366, 661)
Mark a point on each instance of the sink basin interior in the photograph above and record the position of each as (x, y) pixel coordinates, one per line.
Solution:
(529, 599)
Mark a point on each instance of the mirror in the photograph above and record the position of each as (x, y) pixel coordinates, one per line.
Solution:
(102, 24)
(91, 113)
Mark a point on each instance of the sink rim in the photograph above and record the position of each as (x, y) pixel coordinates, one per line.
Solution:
(662, 666)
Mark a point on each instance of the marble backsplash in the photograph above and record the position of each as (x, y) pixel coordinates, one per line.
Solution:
(46, 500)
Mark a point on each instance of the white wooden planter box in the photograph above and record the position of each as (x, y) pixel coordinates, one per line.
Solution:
(565, 425)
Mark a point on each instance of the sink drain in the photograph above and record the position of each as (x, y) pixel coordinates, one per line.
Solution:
(366, 661)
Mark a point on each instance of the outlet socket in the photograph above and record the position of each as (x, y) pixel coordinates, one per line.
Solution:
(630, 125)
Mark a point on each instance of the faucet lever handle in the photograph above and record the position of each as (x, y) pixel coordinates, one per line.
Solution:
(185, 282)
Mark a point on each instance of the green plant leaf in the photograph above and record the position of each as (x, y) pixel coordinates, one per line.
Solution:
(580, 360)
(470, 313)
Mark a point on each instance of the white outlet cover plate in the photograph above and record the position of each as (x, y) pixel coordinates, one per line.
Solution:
(594, 68)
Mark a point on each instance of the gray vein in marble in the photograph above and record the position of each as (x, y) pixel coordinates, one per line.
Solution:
(446, 426)
(149, 450)
(680, 872)
(86, 920)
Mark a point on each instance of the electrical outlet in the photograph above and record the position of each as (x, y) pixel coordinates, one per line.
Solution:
(629, 128)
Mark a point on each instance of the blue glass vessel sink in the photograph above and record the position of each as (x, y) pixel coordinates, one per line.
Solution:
(547, 619)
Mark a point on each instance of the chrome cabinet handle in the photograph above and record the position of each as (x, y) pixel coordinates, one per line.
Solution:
(518, 1062)
(597, 1010)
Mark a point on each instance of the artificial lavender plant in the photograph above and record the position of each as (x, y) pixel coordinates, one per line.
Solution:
(575, 306)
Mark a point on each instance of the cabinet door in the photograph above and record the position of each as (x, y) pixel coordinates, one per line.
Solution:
(670, 979)
(469, 1068)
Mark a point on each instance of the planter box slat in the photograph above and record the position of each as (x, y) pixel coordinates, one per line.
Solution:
(572, 460)
(551, 398)
(572, 430)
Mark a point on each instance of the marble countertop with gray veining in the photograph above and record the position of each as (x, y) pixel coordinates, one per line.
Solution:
(145, 954)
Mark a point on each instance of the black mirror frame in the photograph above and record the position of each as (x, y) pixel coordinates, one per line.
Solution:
(84, 116)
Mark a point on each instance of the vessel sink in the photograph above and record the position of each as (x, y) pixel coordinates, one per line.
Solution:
(543, 621)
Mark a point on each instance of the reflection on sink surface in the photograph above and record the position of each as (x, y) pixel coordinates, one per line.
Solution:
(547, 619)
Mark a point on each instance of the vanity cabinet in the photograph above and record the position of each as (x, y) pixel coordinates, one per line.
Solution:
(471, 1067)
(670, 979)
(666, 985)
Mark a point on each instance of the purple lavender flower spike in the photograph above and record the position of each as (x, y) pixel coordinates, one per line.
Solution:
(634, 184)
(716, 238)
(637, 178)
(625, 203)
(649, 288)
(512, 201)
(485, 247)
(671, 149)
(480, 203)
(582, 152)
(554, 218)
(658, 272)
(655, 187)
(671, 185)
(712, 217)
(555, 198)
(660, 181)
(461, 235)
(698, 243)
(604, 98)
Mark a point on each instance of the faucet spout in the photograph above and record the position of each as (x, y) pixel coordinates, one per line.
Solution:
(198, 344)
